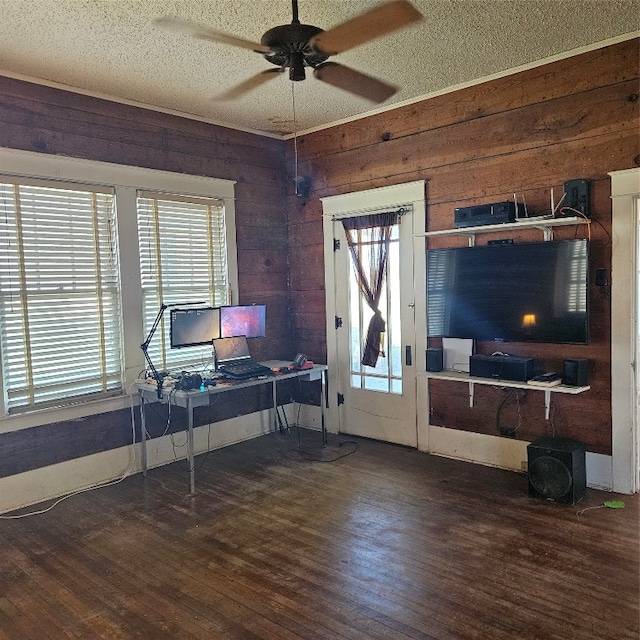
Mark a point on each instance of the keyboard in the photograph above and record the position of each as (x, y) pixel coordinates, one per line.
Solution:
(244, 370)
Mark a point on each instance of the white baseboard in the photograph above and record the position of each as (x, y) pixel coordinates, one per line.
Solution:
(493, 451)
(504, 453)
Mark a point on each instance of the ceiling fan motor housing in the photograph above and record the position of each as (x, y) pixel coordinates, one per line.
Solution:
(289, 40)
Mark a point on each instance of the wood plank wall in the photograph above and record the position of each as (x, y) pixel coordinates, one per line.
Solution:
(525, 133)
(52, 121)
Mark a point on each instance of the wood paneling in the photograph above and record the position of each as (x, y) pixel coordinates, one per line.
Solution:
(573, 76)
(48, 444)
(384, 544)
(525, 133)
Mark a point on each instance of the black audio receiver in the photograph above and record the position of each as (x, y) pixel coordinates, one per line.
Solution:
(482, 214)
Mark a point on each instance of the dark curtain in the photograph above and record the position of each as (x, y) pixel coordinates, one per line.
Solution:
(370, 284)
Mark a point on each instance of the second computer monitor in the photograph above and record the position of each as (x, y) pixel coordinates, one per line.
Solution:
(243, 320)
(194, 327)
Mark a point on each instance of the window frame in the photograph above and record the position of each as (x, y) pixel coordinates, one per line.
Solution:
(126, 181)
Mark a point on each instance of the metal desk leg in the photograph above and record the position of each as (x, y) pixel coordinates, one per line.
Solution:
(192, 466)
(274, 409)
(143, 437)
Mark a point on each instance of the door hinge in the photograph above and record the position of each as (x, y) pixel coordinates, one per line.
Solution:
(340, 398)
(336, 244)
(338, 322)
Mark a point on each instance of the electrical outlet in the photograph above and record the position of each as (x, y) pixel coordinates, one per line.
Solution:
(577, 196)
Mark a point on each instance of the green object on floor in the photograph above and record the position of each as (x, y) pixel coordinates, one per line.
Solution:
(614, 504)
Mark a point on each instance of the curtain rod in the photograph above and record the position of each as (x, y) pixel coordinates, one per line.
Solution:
(364, 212)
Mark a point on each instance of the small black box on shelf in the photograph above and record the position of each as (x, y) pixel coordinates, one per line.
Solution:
(435, 358)
(575, 372)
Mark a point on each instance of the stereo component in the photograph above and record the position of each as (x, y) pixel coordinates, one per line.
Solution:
(483, 214)
(557, 469)
(435, 358)
(575, 372)
(577, 196)
(501, 367)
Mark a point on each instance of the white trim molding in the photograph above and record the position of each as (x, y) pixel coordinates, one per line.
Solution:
(625, 195)
(357, 203)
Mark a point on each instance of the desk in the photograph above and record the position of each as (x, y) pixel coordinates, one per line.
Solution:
(190, 399)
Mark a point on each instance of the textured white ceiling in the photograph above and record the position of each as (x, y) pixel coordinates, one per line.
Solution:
(111, 48)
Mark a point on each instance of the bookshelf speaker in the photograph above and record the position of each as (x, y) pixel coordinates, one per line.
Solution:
(575, 372)
(434, 359)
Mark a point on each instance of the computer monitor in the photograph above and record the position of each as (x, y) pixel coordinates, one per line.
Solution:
(194, 327)
(243, 320)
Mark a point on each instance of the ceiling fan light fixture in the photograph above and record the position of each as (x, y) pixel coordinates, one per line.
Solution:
(296, 66)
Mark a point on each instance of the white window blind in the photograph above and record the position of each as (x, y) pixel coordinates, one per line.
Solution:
(183, 258)
(60, 327)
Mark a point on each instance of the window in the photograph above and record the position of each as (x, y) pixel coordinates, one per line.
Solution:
(183, 259)
(88, 252)
(60, 317)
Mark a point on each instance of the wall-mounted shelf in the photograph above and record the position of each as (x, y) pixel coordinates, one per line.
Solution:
(544, 224)
(461, 376)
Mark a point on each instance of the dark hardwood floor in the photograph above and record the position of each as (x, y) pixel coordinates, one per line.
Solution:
(384, 543)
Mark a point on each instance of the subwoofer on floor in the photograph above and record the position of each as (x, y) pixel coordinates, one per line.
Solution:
(557, 470)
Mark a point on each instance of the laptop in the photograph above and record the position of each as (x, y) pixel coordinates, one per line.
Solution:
(234, 361)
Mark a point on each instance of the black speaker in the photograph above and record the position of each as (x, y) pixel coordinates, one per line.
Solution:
(557, 470)
(501, 367)
(303, 186)
(575, 373)
(435, 357)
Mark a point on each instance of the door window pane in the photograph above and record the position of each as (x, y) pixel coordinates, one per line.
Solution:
(386, 376)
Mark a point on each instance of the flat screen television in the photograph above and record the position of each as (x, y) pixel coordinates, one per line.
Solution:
(243, 320)
(530, 292)
(194, 327)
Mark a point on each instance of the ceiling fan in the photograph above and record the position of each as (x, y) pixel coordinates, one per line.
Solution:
(296, 46)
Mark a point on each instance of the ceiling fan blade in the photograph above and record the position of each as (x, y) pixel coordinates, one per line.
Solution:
(205, 33)
(354, 81)
(248, 85)
(379, 21)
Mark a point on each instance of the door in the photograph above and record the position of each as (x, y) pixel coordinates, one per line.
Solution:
(373, 401)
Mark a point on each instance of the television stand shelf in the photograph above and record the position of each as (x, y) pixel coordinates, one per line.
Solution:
(544, 224)
(462, 376)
